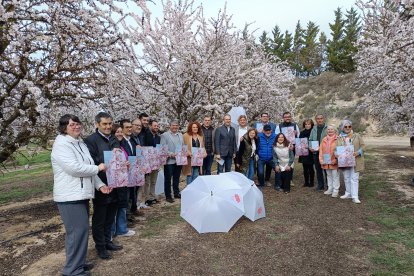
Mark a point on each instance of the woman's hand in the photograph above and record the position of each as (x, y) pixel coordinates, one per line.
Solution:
(287, 168)
(356, 153)
(105, 189)
(102, 167)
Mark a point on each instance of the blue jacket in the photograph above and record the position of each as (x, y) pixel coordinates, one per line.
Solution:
(265, 151)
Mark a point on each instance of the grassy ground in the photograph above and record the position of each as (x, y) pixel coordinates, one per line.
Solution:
(304, 233)
(393, 245)
(18, 183)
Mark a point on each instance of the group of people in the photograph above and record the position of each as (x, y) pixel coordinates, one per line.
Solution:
(79, 169)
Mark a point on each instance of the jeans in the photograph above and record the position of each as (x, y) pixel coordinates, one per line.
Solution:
(207, 163)
(195, 171)
(250, 169)
(260, 170)
(282, 180)
(171, 171)
(119, 226)
(227, 164)
(319, 171)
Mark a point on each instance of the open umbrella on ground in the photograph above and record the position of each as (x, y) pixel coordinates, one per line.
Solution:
(211, 205)
(252, 197)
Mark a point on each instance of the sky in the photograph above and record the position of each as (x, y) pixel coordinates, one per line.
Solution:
(265, 14)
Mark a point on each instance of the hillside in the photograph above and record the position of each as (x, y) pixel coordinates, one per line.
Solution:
(335, 96)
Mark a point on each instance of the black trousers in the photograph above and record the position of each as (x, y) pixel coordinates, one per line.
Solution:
(319, 171)
(308, 174)
(102, 220)
(171, 171)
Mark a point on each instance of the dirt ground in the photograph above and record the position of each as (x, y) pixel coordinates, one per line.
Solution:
(304, 233)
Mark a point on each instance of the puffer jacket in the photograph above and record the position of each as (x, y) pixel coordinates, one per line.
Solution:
(265, 150)
(75, 174)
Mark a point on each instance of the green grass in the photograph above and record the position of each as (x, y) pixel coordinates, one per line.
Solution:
(23, 193)
(24, 184)
(24, 158)
(393, 246)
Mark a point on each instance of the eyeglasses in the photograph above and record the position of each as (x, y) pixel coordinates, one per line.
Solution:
(75, 125)
(347, 126)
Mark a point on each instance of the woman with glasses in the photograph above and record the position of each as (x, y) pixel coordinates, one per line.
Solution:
(351, 174)
(75, 181)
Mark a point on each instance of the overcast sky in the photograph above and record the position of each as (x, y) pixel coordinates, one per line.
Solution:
(265, 14)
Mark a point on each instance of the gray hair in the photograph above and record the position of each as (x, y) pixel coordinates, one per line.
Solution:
(174, 122)
(344, 123)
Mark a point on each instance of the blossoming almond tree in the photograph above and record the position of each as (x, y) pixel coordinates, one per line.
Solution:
(55, 57)
(191, 66)
(386, 62)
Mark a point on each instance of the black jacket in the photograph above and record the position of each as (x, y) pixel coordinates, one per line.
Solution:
(97, 144)
(152, 140)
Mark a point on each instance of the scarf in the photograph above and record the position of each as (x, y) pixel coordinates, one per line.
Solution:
(329, 139)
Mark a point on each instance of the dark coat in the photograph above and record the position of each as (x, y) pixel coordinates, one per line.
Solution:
(245, 152)
(97, 144)
(306, 159)
(225, 141)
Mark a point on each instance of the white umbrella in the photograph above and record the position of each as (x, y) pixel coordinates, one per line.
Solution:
(235, 112)
(211, 205)
(252, 197)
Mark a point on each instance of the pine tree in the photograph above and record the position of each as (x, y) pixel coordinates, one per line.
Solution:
(298, 44)
(323, 40)
(276, 42)
(335, 46)
(352, 31)
(287, 47)
(264, 41)
(310, 58)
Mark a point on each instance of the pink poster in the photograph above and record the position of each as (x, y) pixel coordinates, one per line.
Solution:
(147, 158)
(181, 155)
(301, 147)
(197, 157)
(346, 156)
(116, 168)
(136, 171)
(289, 132)
(162, 154)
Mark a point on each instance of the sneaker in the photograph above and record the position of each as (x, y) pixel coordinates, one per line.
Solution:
(268, 184)
(356, 200)
(127, 234)
(334, 194)
(345, 196)
(327, 192)
(143, 206)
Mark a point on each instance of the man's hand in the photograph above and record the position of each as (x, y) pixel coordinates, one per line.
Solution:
(234, 155)
(277, 169)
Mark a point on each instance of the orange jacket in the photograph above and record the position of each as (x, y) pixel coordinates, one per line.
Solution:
(322, 147)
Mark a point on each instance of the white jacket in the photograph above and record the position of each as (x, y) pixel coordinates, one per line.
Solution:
(75, 173)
